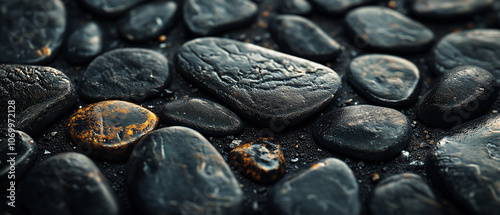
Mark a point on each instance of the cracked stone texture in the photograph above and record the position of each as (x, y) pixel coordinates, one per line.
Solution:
(31, 31)
(338, 7)
(265, 86)
(478, 47)
(41, 95)
(190, 172)
(110, 7)
(84, 44)
(465, 163)
(384, 29)
(448, 8)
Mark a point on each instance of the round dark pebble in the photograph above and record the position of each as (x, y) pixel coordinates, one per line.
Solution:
(449, 9)
(300, 37)
(205, 116)
(297, 7)
(404, 194)
(31, 31)
(20, 146)
(148, 21)
(385, 80)
(110, 7)
(67, 184)
(204, 17)
(363, 132)
(131, 74)
(84, 44)
(384, 29)
(338, 7)
(460, 95)
(325, 187)
(261, 160)
(465, 165)
(175, 170)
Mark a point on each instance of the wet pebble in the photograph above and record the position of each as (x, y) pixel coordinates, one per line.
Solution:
(325, 187)
(131, 74)
(20, 146)
(110, 7)
(109, 130)
(175, 170)
(261, 160)
(297, 7)
(263, 85)
(384, 29)
(300, 37)
(464, 165)
(462, 94)
(212, 17)
(84, 44)
(449, 9)
(68, 183)
(338, 7)
(385, 80)
(364, 132)
(37, 96)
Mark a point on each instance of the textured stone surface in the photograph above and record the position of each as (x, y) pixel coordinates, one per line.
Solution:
(363, 132)
(385, 80)
(23, 148)
(110, 7)
(84, 44)
(131, 74)
(465, 165)
(384, 29)
(175, 170)
(212, 17)
(297, 7)
(265, 86)
(449, 8)
(41, 96)
(300, 37)
(338, 7)
(67, 184)
(31, 31)
(460, 95)
(325, 187)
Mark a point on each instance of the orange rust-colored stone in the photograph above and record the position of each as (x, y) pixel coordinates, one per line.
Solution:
(109, 130)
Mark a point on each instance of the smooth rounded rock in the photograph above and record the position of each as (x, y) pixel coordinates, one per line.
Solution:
(130, 74)
(449, 9)
(84, 44)
(20, 146)
(205, 116)
(261, 160)
(385, 79)
(465, 163)
(338, 7)
(297, 7)
(363, 132)
(31, 31)
(460, 95)
(384, 29)
(326, 187)
(175, 170)
(109, 130)
(300, 37)
(68, 184)
(110, 7)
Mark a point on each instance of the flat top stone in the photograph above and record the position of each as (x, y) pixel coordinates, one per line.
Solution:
(84, 44)
(449, 8)
(110, 7)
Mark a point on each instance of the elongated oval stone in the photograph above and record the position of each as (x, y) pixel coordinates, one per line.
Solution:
(323, 188)
(110, 7)
(387, 30)
(447, 9)
(338, 7)
(84, 44)
(462, 94)
(465, 165)
(265, 86)
(297, 7)
(21, 147)
(175, 170)
(364, 132)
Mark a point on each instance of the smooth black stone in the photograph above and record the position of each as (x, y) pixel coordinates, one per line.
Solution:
(479, 47)
(68, 184)
(205, 116)
(110, 7)
(131, 74)
(447, 9)
(175, 170)
(31, 31)
(26, 153)
(297, 7)
(364, 132)
(325, 187)
(84, 44)
(460, 95)
(204, 17)
(385, 79)
(384, 29)
(265, 86)
(404, 194)
(148, 21)
(300, 37)
(465, 163)
(338, 7)
(41, 95)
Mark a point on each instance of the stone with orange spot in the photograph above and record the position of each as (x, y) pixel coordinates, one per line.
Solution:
(261, 160)
(109, 130)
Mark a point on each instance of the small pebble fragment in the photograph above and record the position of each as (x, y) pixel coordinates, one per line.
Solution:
(84, 44)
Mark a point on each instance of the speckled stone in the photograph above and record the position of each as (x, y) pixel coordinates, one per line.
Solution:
(23, 148)
(110, 7)
(338, 7)
(84, 44)
(448, 9)
(297, 7)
